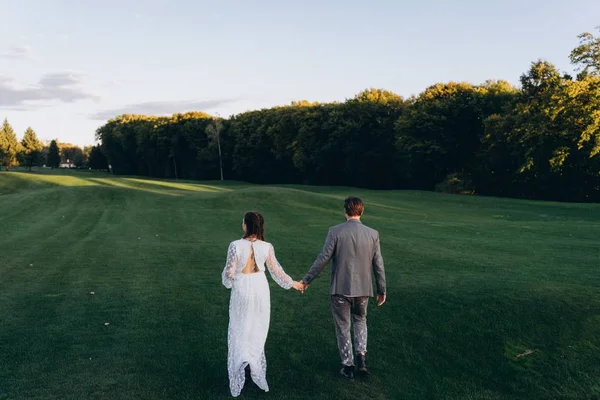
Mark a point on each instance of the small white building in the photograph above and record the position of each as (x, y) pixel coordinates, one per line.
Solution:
(67, 164)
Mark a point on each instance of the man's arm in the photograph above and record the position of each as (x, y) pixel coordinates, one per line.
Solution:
(321, 260)
(379, 270)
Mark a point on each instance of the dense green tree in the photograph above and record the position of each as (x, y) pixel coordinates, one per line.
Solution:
(86, 155)
(166, 147)
(53, 159)
(3, 146)
(586, 56)
(547, 145)
(213, 130)
(441, 131)
(31, 148)
(97, 160)
(9, 146)
(77, 157)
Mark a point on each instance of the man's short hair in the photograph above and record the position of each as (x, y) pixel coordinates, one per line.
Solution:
(354, 207)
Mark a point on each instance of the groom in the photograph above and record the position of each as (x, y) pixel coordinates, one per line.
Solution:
(356, 255)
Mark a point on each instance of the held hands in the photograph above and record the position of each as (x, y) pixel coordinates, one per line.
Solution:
(300, 286)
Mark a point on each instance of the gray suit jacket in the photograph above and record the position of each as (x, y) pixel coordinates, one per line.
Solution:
(356, 255)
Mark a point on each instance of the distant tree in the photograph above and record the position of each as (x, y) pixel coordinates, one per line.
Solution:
(439, 133)
(587, 55)
(541, 79)
(9, 146)
(86, 155)
(31, 148)
(67, 153)
(3, 145)
(71, 154)
(77, 157)
(53, 160)
(548, 145)
(304, 103)
(44, 152)
(213, 130)
(379, 96)
(97, 159)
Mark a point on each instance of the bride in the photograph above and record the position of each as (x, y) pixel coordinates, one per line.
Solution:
(250, 302)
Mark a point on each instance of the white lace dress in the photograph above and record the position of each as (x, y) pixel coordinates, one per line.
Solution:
(249, 310)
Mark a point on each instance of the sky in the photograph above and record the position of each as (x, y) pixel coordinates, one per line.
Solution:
(67, 66)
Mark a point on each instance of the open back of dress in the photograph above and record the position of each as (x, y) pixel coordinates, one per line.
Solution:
(251, 266)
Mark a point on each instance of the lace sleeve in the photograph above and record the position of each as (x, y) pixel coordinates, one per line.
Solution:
(276, 270)
(229, 270)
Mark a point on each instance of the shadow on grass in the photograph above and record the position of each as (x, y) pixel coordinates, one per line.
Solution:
(19, 181)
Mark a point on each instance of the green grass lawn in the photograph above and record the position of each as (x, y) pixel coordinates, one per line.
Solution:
(472, 283)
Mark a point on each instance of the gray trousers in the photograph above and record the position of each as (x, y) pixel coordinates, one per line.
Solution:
(342, 308)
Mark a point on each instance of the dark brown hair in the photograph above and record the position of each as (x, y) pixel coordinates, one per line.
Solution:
(354, 207)
(254, 225)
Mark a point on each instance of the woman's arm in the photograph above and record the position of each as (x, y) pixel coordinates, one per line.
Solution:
(227, 276)
(276, 270)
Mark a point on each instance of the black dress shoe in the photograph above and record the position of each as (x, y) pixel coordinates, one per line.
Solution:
(361, 364)
(347, 371)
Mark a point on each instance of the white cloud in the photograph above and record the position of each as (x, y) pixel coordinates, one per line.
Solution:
(18, 53)
(60, 86)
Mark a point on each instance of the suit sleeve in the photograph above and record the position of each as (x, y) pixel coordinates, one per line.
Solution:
(378, 269)
(322, 259)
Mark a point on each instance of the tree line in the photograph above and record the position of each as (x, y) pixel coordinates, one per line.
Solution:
(31, 152)
(539, 140)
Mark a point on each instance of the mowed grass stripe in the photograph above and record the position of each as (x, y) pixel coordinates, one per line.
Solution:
(472, 283)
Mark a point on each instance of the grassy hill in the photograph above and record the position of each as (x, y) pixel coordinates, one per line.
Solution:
(472, 283)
